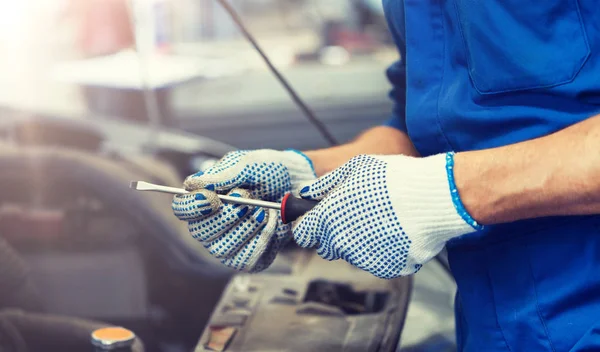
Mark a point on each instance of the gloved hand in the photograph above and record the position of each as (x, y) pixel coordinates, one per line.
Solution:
(243, 237)
(387, 215)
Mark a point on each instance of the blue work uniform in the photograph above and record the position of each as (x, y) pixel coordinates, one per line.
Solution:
(481, 74)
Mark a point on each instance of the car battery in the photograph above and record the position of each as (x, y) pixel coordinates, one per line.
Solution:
(308, 304)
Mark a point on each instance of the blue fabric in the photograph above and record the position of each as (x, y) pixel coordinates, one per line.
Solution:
(482, 74)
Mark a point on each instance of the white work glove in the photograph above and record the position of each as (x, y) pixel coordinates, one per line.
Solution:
(243, 237)
(387, 215)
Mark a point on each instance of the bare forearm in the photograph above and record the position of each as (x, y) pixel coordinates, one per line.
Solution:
(378, 140)
(550, 176)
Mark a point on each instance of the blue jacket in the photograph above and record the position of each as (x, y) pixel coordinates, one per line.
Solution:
(481, 74)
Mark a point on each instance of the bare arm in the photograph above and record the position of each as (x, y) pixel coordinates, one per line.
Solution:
(378, 140)
(555, 175)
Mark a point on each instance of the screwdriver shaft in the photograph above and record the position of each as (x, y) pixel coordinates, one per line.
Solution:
(150, 187)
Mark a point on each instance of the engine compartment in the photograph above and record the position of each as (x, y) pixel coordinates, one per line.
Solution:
(96, 250)
(315, 305)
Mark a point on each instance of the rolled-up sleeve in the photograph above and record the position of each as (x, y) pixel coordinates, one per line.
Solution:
(396, 73)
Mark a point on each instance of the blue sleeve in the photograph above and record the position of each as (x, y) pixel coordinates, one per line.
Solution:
(397, 78)
(396, 73)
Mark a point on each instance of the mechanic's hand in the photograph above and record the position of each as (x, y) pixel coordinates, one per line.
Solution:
(387, 215)
(244, 237)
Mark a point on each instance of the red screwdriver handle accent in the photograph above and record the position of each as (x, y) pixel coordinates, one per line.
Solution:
(292, 208)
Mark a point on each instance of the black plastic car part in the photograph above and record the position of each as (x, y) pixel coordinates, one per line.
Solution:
(59, 171)
(22, 331)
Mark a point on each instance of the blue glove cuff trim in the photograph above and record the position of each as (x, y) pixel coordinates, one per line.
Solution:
(312, 167)
(458, 205)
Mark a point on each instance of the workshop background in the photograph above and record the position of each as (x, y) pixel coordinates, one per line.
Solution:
(96, 93)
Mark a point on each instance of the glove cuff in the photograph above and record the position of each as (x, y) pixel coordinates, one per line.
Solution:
(423, 190)
(300, 169)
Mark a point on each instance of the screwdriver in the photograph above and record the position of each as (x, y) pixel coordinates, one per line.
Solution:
(291, 208)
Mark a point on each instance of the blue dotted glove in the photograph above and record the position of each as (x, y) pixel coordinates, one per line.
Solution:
(243, 237)
(387, 215)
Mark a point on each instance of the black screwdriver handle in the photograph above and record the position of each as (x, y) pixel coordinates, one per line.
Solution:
(292, 208)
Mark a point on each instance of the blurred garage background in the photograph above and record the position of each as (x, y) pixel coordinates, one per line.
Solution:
(95, 93)
(209, 77)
